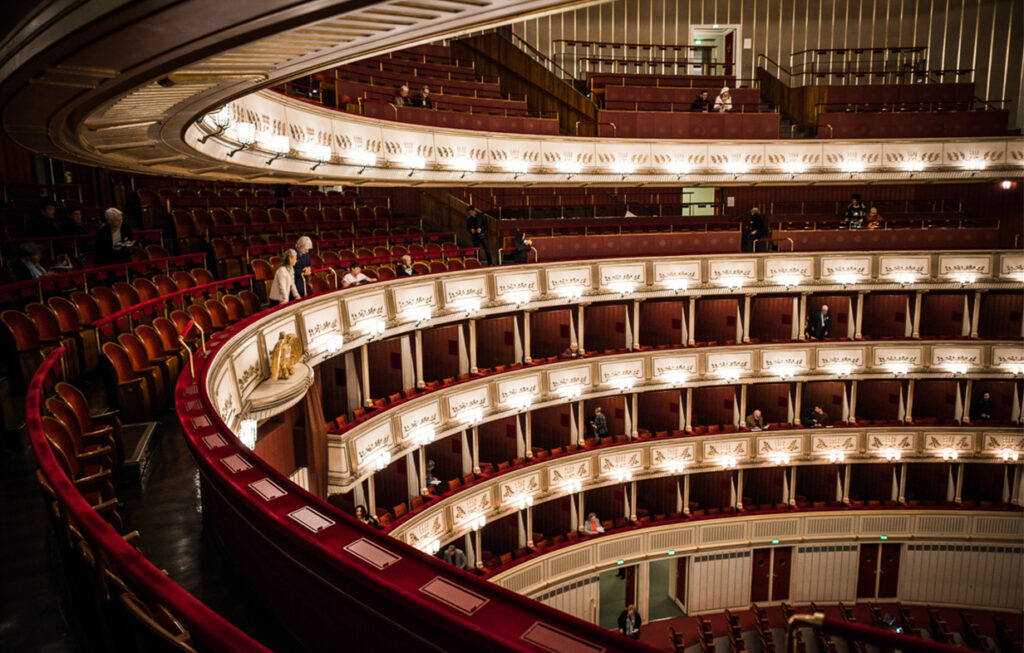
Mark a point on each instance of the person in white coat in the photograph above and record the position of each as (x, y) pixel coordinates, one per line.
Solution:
(723, 102)
(283, 287)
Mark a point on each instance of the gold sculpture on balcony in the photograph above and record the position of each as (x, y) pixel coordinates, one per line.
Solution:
(285, 354)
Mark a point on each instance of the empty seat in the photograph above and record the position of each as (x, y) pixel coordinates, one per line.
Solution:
(133, 392)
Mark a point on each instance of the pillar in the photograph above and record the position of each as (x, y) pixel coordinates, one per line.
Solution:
(853, 401)
(739, 489)
(634, 432)
(476, 450)
(467, 454)
(743, 405)
(859, 318)
(746, 318)
(909, 418)
(527, 346)
(686, 494)
(846, 484)
(632, 503)
(690, 316)
(423, 471)
(797, 401)
(975, 313)
(579, 326)
(528, 433)
(916, 331)
(472, 347)
(965, 418)
(419, 359)
(689, 410)
(803, 315)
(792, 485)
(797, 330)
(684, 337)
(903, 483)
(581, 424)
(371, 496)
(636, 326)
(959, 486)
(364, 354)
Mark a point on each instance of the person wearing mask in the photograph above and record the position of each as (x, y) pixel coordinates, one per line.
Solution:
(981, 408)
(572, 351)
(405, 268)
(283, 288)
(303, 264)
(476, 225)
(820, 324)
(114, 240)
(422, 99)
(599, 424)
(453, 555)
(723, 102)
(44, 224)
(522, 245)
(853, 218)
(755, 421)
(593, 525)
(629, 622)
(402, 98)
(354, 276)
(753, 229)
(702, 104)
(365, 517)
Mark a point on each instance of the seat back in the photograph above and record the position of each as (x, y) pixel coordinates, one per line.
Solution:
(234, 307)
(107, 299)
(146, 289)
(168, 333)
(183, 280)
(164, 284)
(77, 403)
(151, 340)
(46, 322)
(218, 313)
(26, 338)
(68, 319)
(135, 349)
(88, 308)
(119, 361)
(202, 276)
(262, 270)
(201, 317)
(126, 294)
(60, 441)
(250, 301)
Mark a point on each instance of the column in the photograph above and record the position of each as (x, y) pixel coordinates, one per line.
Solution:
(684, 336)
(464, 362)
(746, 318)
(581, 424)
(689, 410)
(686, 494)
(792, 485)
(851, 322)
(472, 347)
(636, 325)
(743, 404)
(526, 338)
(909, 418)
(364, 354)
(635, 431)
(803, 315)
(903, 483)
(467, 454)
(975, 313)
(959, 485)
(966, 417)
(643, 587)
(859, 318)
(579, 326)
(467, 545)
(478, 538)
(529, 526)
(632, 504)
(796, 401)
(916, 331)
(413, 481)
(371, 496)
(476, 450)
(798, 326)
(408, 363)
(853, 401)
(582, 513)
(423, 471)
(739, 489)
(691, 317)
(520, 438)
(419, 359)
(528, 433)
(846, 484)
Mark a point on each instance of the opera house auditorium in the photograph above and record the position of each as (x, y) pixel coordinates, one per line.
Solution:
(567, 326)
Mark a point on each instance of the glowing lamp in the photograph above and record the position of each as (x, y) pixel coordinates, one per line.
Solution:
(247, 430)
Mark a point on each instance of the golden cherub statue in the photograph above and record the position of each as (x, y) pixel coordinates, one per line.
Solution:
(286, 353)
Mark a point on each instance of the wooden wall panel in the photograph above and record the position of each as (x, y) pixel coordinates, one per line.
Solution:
(715, 320)
(713, 405)
(385, 358)
(501, 536)
(928, 481)
(391, 485)
(984, 482)
(935, 400)
(498, 440)
(942, 315)
(828, 394)
(552, 517)
(771, 398)
(824, 573)
(447, 456)
(1001, 315)
(817, 483)
(878, 400)
(885, 315)
(441, 352)
(495, 341)
(657, 495)
(771, 318)
(550, 332)
(277, 440)
(871, 482)
(607, 502)
(839, 307)
(980, 576)
(605, 327)
(711, 489)
(551, 426)
(658, 411)
(1002, 397)
(661, 323)
(762, 486)
(614, 409)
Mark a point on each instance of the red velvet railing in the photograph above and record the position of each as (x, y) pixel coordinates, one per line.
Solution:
(882, 638)
(205, 626)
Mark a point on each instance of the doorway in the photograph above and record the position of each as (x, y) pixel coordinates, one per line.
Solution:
(722, 49)
(667, 589)
(878, 571)
(618, 589)
(770, 573)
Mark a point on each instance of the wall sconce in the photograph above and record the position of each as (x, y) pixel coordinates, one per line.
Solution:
(431, 547)
(836, 456)
(622, 384)
(898, 369)
(319, 153)
(965, 278)
(221, 118)
(1009, 454)
(572, 391)
(570, 168)
(787, 280)
(371, 327)
(465, 164)
(471, 416)
(517, 167)
(478, 522)
(335, 343)
(676, 377)
(524, 501)
(853, 167)
(912, 166)
(780, 458)
(519, 297)
(622, 474)
(571, 293)
(950, 454)
(678, 168)
(362, 158)
(469, 304)
(904, 278)
(623, 168)
(727, 462)
(279, 145)
(675, 466)
(957, 368)
(892, 454)
(381, 460)
(845, 278)
(418, 314)
(730, 374)
(732, 282)
(677, 285)
(573, 485)
(623, 288)
(247, 431)
(1016, 369)
(521, 402)
(794, 168)
(783, 370)
(245, 134)
(975, 164)
(423, 435)
(411, 161)
(736, 168)
(841, 369)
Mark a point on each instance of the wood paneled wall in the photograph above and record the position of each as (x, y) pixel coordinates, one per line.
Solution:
(441, 352)
(772, 399)
(885, 315)
(935, 399)
(1001, 315)
(714, 405)
(771, 318)
(817, 483)
(715, 320)
(605, 326)
(980, 576)
(878, 399)
(385, 358)
(496, 342)
(978, 34)
(824, 573)
(658, 411)
(661, 322)
(550, 332)
(942, 315)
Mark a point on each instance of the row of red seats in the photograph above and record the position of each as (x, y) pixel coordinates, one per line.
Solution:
(913, 124)
(463, 119)
(733, 125)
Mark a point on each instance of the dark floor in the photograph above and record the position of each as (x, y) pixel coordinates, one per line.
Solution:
(35, 611)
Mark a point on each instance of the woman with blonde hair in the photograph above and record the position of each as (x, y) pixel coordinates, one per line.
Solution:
(283, 287)
(723, 102)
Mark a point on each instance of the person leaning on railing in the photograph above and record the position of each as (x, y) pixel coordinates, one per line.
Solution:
(283, 287)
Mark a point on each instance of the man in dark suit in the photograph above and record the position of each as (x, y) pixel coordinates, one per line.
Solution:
(820, 324)
(981, 408)
(476, 224)
(522, 245)
(114, 240)
(405, 267)
(753, 229)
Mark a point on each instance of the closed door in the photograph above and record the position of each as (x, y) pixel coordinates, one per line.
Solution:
(761, 575)
(867, 571)
(781, 563)
(681, 580)
(889, 570)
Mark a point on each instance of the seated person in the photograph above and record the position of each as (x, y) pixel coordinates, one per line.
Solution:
(702, 104)
(355, 276)
(522, 245)
(723, 102)
(874, 221)
(456, 556)
(814, 417)
(114, 240)
(593, 525)
(402, 98)
(981, 408)
(572, 351)
(30, 265)
(71, 224)
(440, 487)
(755, 421)
(422, 99)
(855, 212)
(404, 268)
(365, 517)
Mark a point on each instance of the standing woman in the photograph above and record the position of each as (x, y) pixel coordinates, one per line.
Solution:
(283, 287)
(303, 265)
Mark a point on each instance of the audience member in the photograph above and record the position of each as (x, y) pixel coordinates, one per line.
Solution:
(440, 487)
(284, 287)
(30, 265)
(753, 229)
(629, 622)
(453, 555)
(476, 224)
(593, 525)
(365, 517)
(71, 223)
(354, 276)
(874, 221)
(402, 98)
(572, 351)
(114, 240)
(599, 424)
(981, 408)
(855, 212)
(422, 99)
(702, 104)
(522, 245)
(303, 264)
(820, 324)
(755, 421)
(723, 102)
(814, 417)
(44, 224)
(404, 268)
